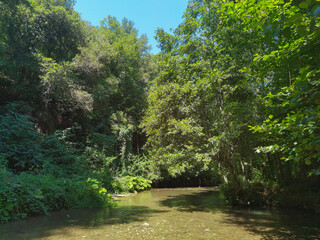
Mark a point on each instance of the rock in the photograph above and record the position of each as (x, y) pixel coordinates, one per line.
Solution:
(118, 195)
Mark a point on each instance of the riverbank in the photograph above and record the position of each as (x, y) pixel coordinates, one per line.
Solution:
(29, 194)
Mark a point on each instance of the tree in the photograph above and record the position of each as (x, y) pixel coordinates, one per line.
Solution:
(231, 65)
(196, 113)
(61, 31)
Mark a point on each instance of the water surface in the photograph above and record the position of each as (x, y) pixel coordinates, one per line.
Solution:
(185, 213)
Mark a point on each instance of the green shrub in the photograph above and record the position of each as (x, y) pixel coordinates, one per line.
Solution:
(25, 149)
(130, 184)
(27, 194)
(9, 203)
(138, 165)
(20, 143)
(88, 193)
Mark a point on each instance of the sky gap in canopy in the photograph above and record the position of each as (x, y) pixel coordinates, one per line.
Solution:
(148, 15)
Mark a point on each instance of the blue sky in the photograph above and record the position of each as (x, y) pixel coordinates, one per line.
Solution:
(147, 15)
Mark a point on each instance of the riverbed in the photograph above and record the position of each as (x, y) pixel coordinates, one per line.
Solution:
(180, 213)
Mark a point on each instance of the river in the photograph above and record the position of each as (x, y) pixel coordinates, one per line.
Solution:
(180, 213)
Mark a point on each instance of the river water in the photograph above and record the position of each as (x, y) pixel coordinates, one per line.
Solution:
(185, 213)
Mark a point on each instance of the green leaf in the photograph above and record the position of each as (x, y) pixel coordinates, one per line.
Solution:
(304, 5)
(302, 30)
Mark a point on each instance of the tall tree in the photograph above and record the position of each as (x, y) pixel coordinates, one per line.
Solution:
(228, 66)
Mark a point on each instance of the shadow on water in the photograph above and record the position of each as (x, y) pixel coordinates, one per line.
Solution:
(277, 224)
(204, 201)
(80, 218)
(270, 224)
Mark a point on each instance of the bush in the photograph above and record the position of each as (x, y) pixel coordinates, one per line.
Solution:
(88, 193)
(130, 184)
(25, 149)
(138, 165)
(9, 202)
(27, 194)
(20, 143)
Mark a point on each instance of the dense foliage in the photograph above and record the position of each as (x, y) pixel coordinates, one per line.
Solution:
(238, 93)
(232, 99)
(71, 101)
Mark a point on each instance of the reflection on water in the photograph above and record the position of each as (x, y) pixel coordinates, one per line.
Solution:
(193, 213)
